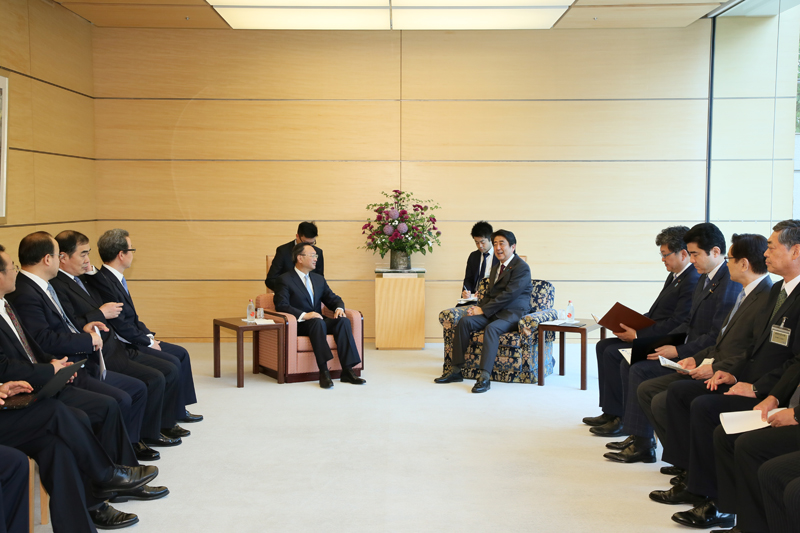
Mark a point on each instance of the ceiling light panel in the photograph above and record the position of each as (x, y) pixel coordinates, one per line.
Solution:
(308, 18)
(513, 18)
(474, 3)
(302, 3)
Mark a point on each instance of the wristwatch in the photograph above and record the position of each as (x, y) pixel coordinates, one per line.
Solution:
(755, 391)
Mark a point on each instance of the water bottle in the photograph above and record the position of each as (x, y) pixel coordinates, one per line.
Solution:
(251, 312)
(570, 312)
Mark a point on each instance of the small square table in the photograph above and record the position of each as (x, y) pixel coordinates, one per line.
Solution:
(588, 325)
(240, 326)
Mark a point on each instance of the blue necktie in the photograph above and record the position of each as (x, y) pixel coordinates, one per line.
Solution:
(309, 289)
(80, 284)
(125, 284)
(52, 293)
(483, 268)
(739, 301)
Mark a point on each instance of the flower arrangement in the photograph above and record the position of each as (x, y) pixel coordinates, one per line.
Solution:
(402, 223)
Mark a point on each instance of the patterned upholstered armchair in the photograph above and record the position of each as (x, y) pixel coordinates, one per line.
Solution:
(518, 357)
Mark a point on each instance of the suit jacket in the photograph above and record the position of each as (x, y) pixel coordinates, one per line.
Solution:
(14, 362)
(508, 298)
(127, 324)
(710, 306)
(292, 297)
(40, 316)
(471, 279)
(283, 263)
(740, 331)
(672, 305)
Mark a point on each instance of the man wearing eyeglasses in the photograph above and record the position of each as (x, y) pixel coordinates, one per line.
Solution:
(301, 292)
(284, 262)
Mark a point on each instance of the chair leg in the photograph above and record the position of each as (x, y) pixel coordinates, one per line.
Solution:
(31, 472)
(44, 498)
(44, 502)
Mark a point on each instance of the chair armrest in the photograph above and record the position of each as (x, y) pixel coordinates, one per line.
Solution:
(450, 317)
(529, 324)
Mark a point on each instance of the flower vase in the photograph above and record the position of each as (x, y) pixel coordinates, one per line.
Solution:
(399, 260)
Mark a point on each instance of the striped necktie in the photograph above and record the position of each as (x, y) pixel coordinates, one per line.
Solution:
(22, 338)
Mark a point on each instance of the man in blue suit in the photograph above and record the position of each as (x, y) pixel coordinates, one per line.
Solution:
(301, 292)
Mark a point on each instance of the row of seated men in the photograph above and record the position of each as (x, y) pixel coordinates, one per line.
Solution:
(741, 349)
(129, 397)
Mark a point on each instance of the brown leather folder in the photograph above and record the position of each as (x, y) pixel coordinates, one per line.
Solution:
(619, 314)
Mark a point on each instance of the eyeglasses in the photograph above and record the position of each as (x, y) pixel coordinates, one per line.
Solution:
(13, 267)
(729, 258)
(315, 256)
(131, 250)
(664, 256)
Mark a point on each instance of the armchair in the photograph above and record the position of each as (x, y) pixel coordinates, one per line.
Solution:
(299, 363)
(517, 357)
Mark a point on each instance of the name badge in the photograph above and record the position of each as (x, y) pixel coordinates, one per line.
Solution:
(780, 334)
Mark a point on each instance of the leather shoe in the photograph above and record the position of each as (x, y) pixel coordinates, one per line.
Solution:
(348, 376)
(175, 432)
(612, 428)
(189, 418)
(325, 381)
(622, 444)
(680, 478)
(142, 493)
(734, 529)
(635, 453)
(481, 385)
(598, 420)
(672, 470)
(145, 452)
(106, 517)
(454, 376)
(126, 478)
(163, 441)
(677, 494)
(704, 516)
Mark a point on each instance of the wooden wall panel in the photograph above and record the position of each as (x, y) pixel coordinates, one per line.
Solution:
(14, 46)
(570, 130)
(742, 190)
(64, 188)
(559, 191)
(20, 118)
(247, 64)
(788, 37)
(242, 190)
(247, 130)
(150, 16)
(11, 235)
(785, 113)
(63, 122)
(61, 46)
(743, 128)
(557, 64)
(20, 205)
(745, 57)
(782, 183)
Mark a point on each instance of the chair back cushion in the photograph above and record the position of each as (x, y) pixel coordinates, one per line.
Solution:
(543, 295)
(265, 301)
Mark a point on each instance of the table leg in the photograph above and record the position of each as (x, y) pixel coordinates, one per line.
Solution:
(583, 358)
(282, 354)
(561, 348)
(240, 358)
(602, 333)
(541, 356)
(256, 354)
(216, 351)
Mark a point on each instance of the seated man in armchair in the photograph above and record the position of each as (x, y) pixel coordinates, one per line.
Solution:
(506, 301)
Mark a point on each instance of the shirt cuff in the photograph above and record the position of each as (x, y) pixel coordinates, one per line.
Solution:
(301, 316)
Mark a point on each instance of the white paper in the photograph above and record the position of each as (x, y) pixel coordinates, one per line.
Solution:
(626, 353)
(261, 321)
(671, 364)
(574, 323)
(468, 300)
(741, 421)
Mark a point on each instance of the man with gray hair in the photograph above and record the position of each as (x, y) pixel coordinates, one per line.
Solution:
(116, 251)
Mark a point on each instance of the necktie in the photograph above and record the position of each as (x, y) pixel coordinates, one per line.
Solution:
(125, 284)
(482, 273)
(80, 284)
(21, 334)
(52, 292)
(502, 268)
(739, 301)
(309, 288)
(781, 298)
(707, 282)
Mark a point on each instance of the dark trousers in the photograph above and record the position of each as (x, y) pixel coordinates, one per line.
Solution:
(13, 491)
(635, 422)
(492, 329)
(655, 409)
(738, 459)
(130, 395)
(169, 367)
(692, 416)
(131, 364)
(780, 488)
(608, 375)
(317, 331)
(177, 356)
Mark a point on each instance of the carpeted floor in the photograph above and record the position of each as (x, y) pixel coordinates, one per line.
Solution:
(399, 454)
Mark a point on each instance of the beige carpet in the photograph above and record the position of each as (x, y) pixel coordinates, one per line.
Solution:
(399, 454)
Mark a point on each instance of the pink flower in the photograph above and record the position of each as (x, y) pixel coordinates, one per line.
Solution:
(378, 218)
(394, 214)
(402, 228)
(388, 229)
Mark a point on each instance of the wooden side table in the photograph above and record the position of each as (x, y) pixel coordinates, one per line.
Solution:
(239, 326)
(588, 325)
(400, 309)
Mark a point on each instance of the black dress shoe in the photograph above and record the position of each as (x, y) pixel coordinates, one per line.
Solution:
(347, 376)
(106, 517)
(622, 444)
(734, 529)
(142, 493)
(454, 376)
(325, 381)
(189, 418)
(163, 441)
(126, 478)
(612, 428)
(672, 470)
(598, 420)
(145, 452)
(677, 494)
(482, 385)
(175, 432)
(680, 478)
(641, 451)
(704, 516)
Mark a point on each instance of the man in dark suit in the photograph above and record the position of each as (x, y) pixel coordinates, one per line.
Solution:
(748, 267)
(283, 261)
(669, 310)
(82, 304)
(693, 408)
(301, 292)
(507, 300)
(479, 262)
(117, 252)
(13, 490)
(712, 300)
